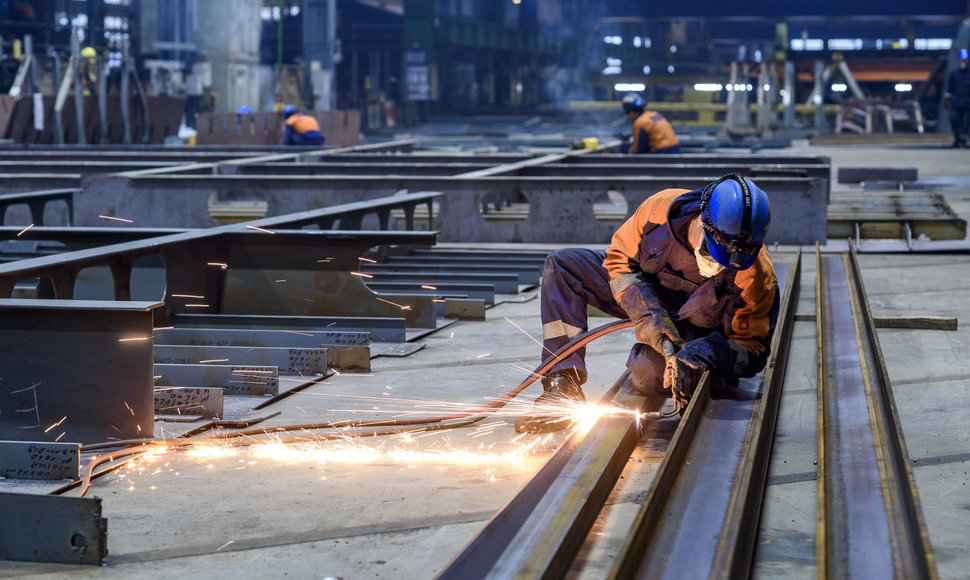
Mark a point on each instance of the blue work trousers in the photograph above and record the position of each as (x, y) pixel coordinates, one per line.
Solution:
(572, 279)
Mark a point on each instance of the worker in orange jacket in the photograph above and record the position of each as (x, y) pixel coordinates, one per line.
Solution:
(300, 129)
(690, 269)
(652, 132)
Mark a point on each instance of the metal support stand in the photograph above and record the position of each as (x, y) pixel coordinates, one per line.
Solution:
(788, 99)
(78, 94)
(817, 92)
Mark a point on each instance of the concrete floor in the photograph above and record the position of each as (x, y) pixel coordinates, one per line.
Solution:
(400, 508)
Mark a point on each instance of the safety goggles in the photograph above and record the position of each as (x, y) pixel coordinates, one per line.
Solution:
(740, 244)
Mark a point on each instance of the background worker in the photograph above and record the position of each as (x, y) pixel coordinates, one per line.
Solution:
(958, 95)
(300, 129)
(88, 71)
(689, 267)
(652, 132)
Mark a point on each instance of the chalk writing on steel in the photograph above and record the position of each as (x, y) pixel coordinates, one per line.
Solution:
(30, 416)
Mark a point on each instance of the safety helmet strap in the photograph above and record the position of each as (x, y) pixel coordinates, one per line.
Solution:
(740, 242)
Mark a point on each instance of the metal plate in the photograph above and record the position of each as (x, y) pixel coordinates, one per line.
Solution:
(47, 528)
(40, 460)
(84, 366)
(196, 401)
(233, 380)
(290, 361)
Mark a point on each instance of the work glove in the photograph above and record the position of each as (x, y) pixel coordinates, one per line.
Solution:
(652, 324)
(683, 370)
(681, 377)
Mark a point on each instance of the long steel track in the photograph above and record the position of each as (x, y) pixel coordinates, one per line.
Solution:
(870, 524)
(700, 517)
(538, 535)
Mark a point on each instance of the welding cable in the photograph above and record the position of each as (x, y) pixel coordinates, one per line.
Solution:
(472, 416)
(392, 426)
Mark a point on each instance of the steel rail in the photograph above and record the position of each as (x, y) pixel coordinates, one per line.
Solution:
(869, 519)
(537, 534)
(700, 516)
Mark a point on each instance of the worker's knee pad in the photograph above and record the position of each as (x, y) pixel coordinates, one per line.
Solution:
(647, 370)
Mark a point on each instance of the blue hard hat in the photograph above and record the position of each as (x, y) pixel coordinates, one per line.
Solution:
(288, 110)
(244, 110)
(735, 215)
(964, 54)
(633, 102)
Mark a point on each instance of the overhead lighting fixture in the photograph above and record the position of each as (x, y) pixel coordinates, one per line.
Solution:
(839, 87)
(708, 87)
(903, 87)
(629, 87)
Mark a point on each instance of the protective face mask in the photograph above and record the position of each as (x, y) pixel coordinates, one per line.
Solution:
(963, 66)
(707, 265)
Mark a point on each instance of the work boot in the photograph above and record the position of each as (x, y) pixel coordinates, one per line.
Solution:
(550, 411)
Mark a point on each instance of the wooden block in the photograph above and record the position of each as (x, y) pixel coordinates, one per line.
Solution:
(916, 322)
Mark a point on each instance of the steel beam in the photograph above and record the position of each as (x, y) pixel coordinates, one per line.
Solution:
(349, 350)
(27, 182)
(383, 169)
(536, 534)
(503, 283)
(527, 273)
(869, 523)
(751, 168)
(561, 208)
(860, 174)
(196, 262)
(78, 371)
(38, 201)
(711, 482)
(289, 360)
(703, 159)
(381, 329)
(484, 292)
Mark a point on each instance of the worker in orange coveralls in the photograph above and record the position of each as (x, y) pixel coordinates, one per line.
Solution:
(690, 269)
(652, 132)
(300, 129)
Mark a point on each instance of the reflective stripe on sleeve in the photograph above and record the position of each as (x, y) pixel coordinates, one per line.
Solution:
(558, 328)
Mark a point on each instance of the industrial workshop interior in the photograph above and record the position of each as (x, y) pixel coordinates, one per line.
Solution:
(460, 289)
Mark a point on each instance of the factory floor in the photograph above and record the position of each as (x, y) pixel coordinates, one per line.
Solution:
(402, 507)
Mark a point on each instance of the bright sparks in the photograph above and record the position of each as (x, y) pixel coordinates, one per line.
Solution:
(24, 230)
(117, 219)
(259, 229)
(401, 306)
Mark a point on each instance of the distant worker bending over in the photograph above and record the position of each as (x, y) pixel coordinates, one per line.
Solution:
(652, 132)
(690, 269)
(300, 129)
